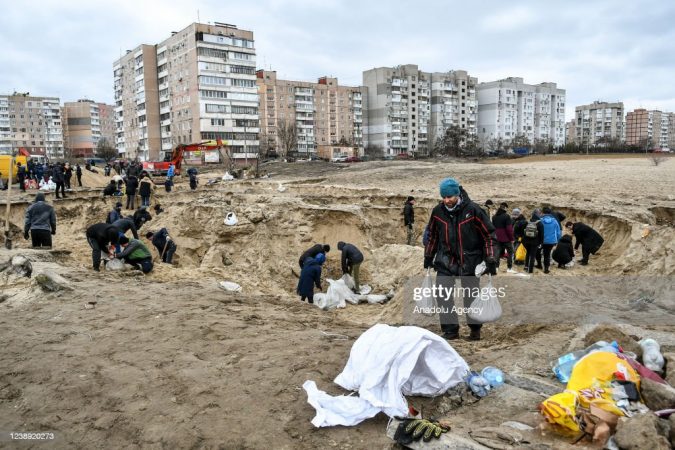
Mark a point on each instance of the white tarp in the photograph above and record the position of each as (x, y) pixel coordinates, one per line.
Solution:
(385, 364)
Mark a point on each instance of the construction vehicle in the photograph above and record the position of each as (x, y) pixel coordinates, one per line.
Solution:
(176, 157)
(4, 166)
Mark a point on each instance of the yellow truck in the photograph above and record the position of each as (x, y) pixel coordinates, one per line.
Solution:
(4, 167)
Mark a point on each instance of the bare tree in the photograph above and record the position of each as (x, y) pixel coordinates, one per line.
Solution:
(657, 158)
(288, 137)
(105, 150)
(520, 140)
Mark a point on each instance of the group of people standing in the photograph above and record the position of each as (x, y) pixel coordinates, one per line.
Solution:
(59, 174)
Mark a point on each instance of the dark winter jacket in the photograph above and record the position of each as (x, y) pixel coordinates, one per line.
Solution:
(68, 173)
(408, 214)
(309, 277)
(132, 185)
(141, 216)
(503, 226)
(559, 217)
(563, 252)
(21, 173)
(113, 216)
(552, 230)
(104, 234)
(310, 253)
(57, 174)
(110, 189)
(587, 237)
(159, 239)
(350, 255)
(40, 216)
(125, 225)
(459, 239)
(78, 170)
(145, 187)
(519, 227)
(539, 240)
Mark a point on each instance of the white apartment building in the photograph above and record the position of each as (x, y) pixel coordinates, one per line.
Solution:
(5, 127)
(509, 107)
(34, 124)
(199, 84)
(599, 122)
(453, 102)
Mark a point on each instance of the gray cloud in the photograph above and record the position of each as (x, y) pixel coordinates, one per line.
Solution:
(610, 50)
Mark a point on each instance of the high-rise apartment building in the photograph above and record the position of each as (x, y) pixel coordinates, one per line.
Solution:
(599, 123)
(649, 128)
(508, 108)
(399, 109)
(34, 124)
(5, 127)
(570, 132)
(453, 102)
(199, 84)
(324, 114)
(85, 123)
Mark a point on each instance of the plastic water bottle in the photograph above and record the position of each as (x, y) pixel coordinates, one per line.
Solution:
(493, 375)
(565, 364)
(651, 355)
(479, 385)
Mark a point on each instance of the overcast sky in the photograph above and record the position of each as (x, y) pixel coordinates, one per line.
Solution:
(609, 49)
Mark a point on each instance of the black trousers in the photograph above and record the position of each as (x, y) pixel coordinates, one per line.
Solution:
(508, 247)
(448, 316)
(547, 249)
(310, 298)
(532, 253)
(22, 185)
(131, 201)
(79, 180)
(67, 182)
(60, 185)
(41, 238)
(95, 253)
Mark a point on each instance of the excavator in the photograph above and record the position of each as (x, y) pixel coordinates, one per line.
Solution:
(176, 156)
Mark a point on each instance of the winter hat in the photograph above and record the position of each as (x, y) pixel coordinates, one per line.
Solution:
(449, 187)
(118, 205)
(326, 248)
(320, 258)
(504, 205)
(515, 212)
(124, 240)
(39, 197)
(340, 245)
(410, 198)
(568, 225)
(547, 210)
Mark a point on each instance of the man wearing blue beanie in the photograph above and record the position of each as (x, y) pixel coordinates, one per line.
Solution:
(461, 236)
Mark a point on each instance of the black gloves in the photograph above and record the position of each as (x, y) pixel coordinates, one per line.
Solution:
(491, 265)
(25, 235)
(53, 231)
(428, 261)
(414, 429)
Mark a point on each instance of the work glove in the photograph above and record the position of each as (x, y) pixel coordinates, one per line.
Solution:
(53, 231)
(491, 265)
(416, 429)
(428, 261)
(25, 235)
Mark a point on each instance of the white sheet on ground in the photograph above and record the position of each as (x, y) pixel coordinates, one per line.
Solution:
(385, 364)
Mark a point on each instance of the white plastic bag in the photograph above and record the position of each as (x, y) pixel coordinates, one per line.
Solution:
(376, 298)
(365, 289)
(348, 280)
(230, 286)
(486, 307)
(115, 264)
(231, 219)
(227, 177)
(427, 304)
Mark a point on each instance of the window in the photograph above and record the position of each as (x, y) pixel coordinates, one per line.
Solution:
(211, 52)
(213, 108)
(243, 83)
(242, 69)
(242, 56)
(244, 109)
(216, 81)
(218, 122)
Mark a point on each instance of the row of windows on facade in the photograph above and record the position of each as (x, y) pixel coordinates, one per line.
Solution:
(224, 54)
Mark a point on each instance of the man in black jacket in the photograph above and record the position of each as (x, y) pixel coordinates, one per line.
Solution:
(100, 236)
(461, 236)
(141, 215)
(312, 252)
(132, 186)
(21, 176)
(409, 218)
(125, 224)
(115, 214)
(563, 253)
(589, 239)
(41, 222)
(351, 262)
(58, 178)
(78, 174)
(163, 243)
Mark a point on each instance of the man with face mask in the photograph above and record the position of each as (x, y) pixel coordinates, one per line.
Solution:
(461, 236)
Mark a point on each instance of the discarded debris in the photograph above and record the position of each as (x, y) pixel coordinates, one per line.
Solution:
(229, 286)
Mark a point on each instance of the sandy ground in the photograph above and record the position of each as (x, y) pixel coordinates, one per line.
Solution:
(170, 360)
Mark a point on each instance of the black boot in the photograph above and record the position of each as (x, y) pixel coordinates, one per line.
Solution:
(475, 335)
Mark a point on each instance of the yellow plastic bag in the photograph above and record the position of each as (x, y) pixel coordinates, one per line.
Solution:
(599, 367)
(599, 395)
(561, 409)
(520, 253)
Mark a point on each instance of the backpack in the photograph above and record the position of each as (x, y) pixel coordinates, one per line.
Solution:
(531, 230)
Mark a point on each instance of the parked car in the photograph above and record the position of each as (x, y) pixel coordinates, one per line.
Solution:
(402, 156)
(388, 157)
(353, 159)
(341, 158)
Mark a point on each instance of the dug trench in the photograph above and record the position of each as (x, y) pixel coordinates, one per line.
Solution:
(169, 359)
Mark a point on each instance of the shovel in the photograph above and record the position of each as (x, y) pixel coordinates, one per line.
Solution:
(8, 239)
